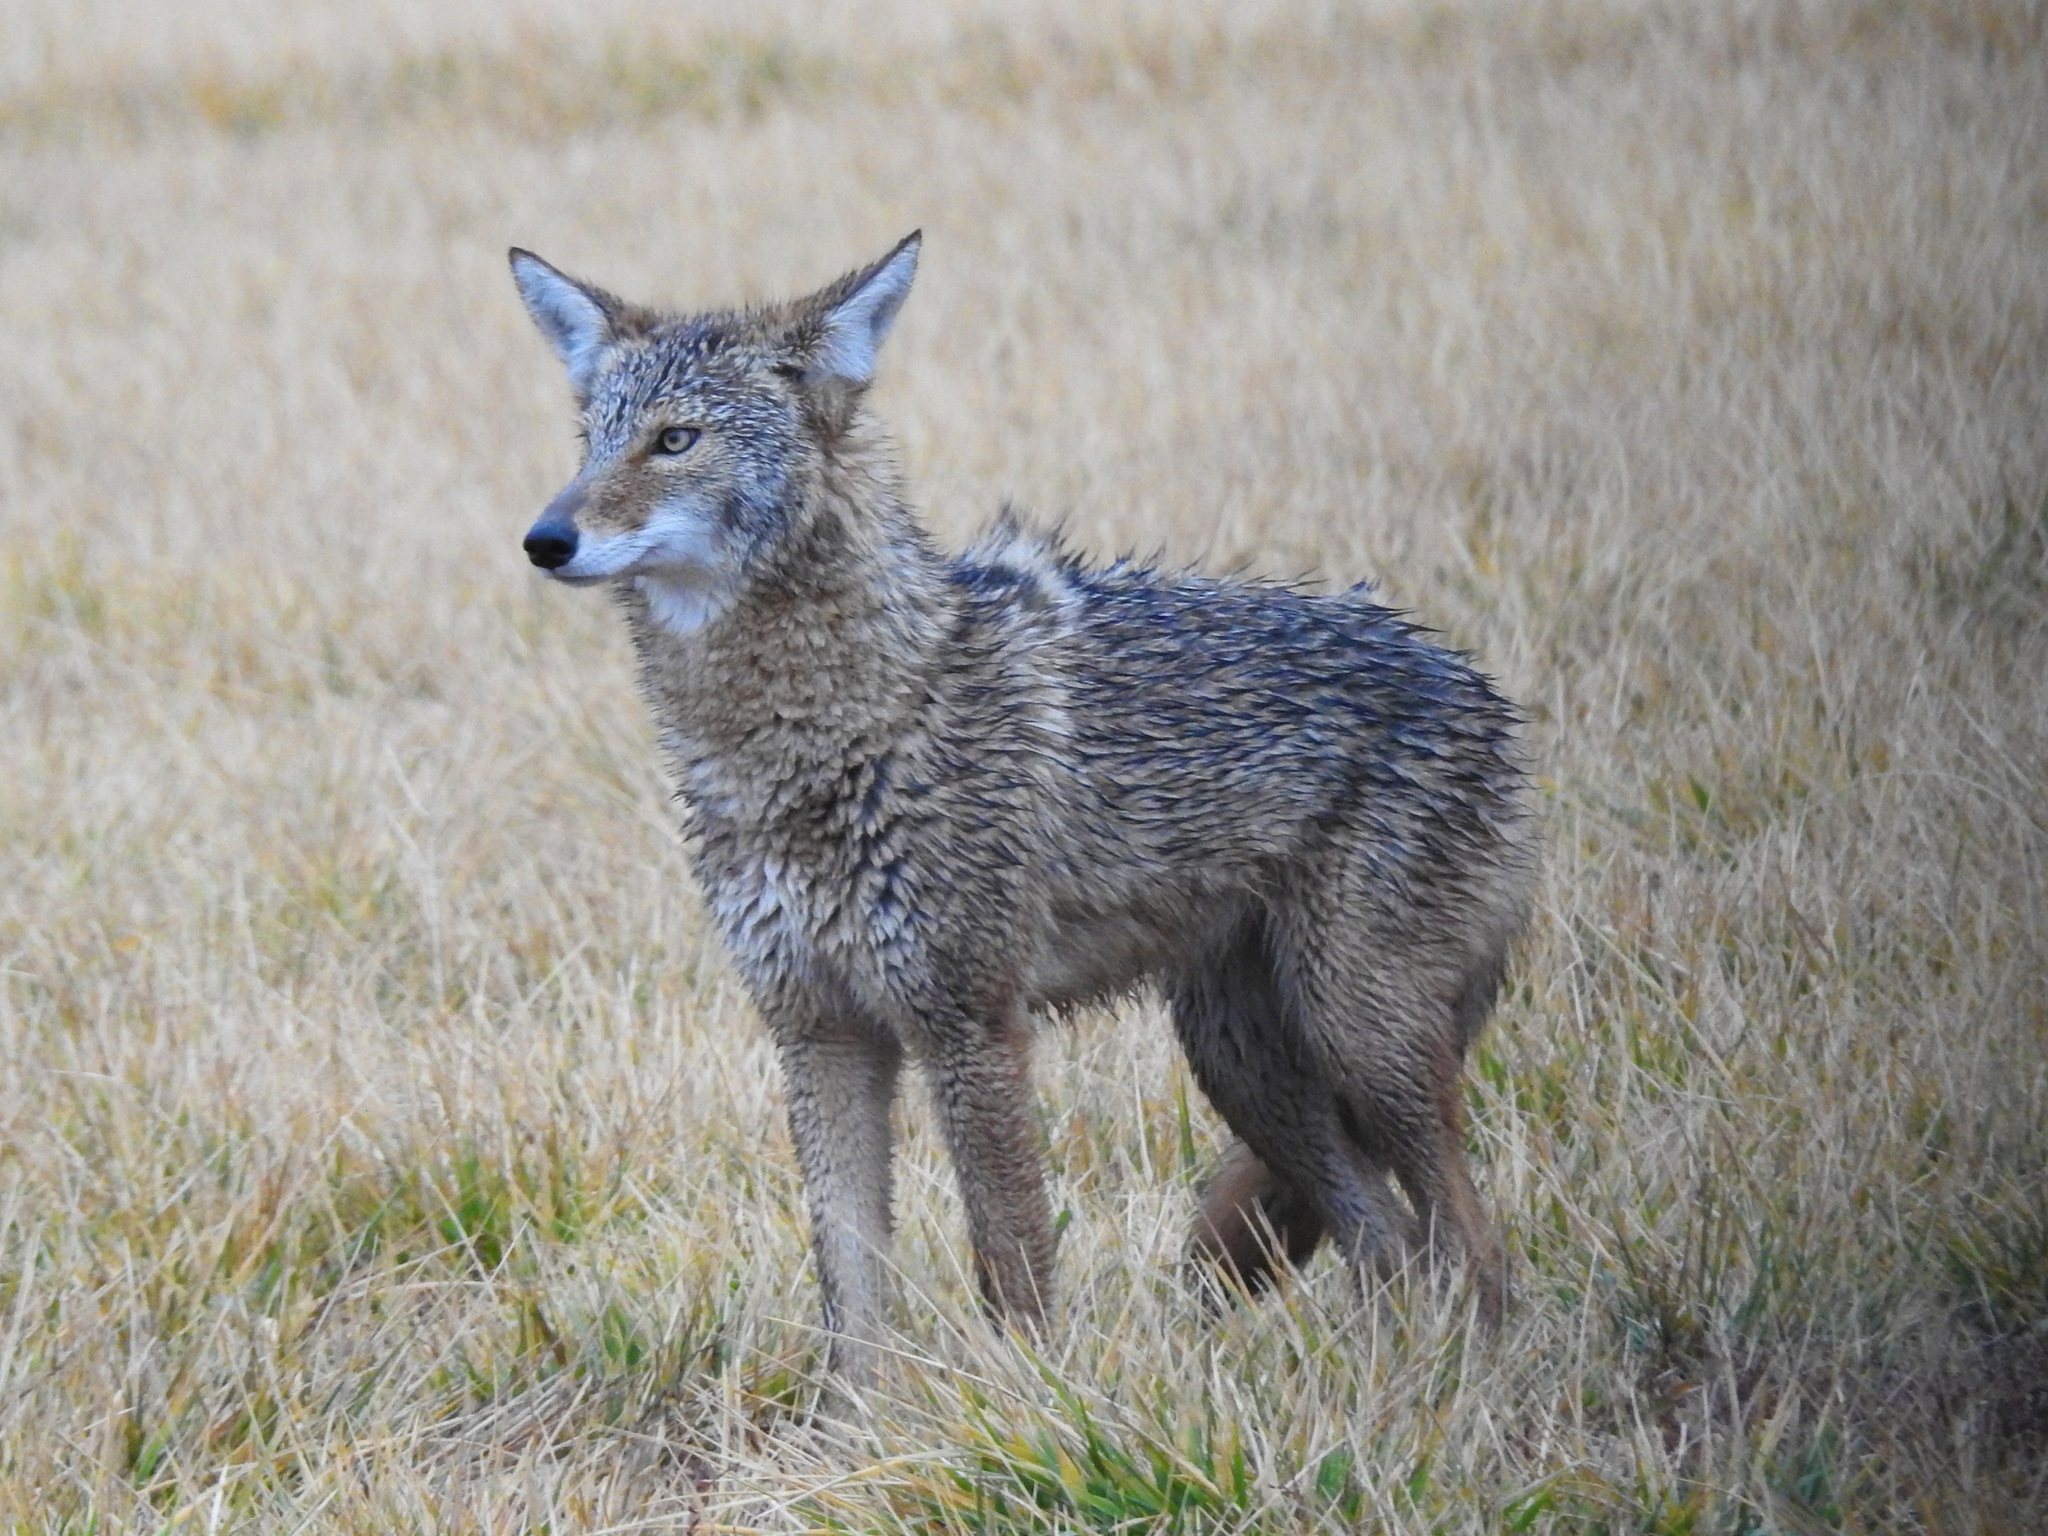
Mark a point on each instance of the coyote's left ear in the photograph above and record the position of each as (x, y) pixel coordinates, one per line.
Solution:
(855, 313)
(578, 320)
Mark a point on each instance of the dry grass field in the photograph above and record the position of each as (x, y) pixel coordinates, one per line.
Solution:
(384, 1146)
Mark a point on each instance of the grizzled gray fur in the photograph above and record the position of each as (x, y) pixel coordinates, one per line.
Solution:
(934, 797)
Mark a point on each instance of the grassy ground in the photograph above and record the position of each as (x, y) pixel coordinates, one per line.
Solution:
(383, 1144)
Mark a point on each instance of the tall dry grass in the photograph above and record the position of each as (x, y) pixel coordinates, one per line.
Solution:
(383, 1145)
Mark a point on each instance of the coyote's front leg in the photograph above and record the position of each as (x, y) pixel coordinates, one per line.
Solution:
(840, 1081)
(981, 1077)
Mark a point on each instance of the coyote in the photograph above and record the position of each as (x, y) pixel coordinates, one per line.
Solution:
(934, 796)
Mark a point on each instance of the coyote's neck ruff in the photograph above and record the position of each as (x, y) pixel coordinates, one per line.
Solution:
(932, 796)
(841, 627)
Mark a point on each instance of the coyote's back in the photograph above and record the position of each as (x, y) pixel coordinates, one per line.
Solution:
(934, 796)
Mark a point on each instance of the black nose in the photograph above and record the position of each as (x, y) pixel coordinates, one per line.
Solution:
(551, 545)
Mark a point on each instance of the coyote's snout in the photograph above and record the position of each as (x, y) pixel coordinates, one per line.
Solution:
(551, 542)
(934, 797)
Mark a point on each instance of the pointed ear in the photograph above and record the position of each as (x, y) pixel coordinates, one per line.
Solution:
(578, 321)
(857, 313)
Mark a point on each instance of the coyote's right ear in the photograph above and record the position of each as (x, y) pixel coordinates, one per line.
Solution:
(579, 321)
(849, 318)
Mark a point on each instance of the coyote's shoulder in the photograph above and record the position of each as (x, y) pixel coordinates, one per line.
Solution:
(934, 794)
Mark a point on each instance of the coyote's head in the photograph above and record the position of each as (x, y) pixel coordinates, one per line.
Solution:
(695, 428)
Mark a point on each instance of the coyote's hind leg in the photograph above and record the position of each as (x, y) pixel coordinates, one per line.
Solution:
(1432, 1169)
(1299, 1175)
(1390, 998)
(1250, 1222)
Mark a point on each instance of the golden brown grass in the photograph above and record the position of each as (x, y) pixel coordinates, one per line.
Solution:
(383, 1145)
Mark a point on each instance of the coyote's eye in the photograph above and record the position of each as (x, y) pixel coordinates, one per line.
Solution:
(677, 440)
